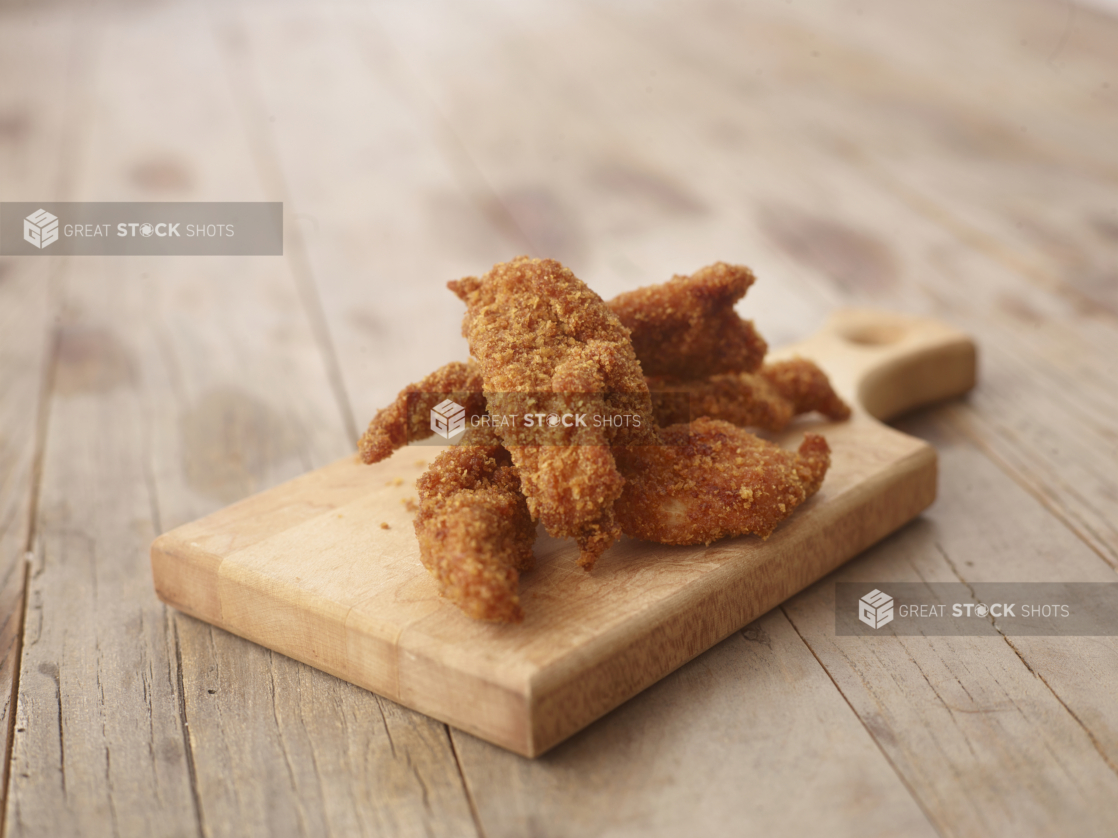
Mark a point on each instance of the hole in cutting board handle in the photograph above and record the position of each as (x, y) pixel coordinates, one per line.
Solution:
(901, 362)
(871, 334)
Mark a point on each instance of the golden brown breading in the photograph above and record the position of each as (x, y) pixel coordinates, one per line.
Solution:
(474, 529)
(408, 418)
(686, 328)
(745, 398)
(806, 386)
(711, 479)
(548, 344)
(768, 399)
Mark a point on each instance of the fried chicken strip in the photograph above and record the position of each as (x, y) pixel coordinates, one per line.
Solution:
(474, 529)
(767, 399)
(408, 418)
(548, 344)
(686, 328)
(711, 480)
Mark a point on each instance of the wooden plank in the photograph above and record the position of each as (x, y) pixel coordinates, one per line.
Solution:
(36, 109)
(986, 743)
(747, 739)
(313, 576)
(24, 344)
(181, 386)
(101, 744)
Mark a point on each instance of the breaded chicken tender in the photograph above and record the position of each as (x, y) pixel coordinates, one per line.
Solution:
(686, 328)
(474, 529)
(548, 345)
(710, 480)
(407, 418)
(768, 399)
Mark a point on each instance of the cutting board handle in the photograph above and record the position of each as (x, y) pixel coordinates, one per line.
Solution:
(885, 364)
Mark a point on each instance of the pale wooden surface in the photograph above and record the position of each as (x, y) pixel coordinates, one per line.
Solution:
(952, 159)
(325, 568)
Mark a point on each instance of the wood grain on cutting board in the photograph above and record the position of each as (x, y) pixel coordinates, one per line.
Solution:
(307, 568)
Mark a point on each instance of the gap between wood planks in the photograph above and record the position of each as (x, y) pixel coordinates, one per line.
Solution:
(877, 743)
(465, 783)
(184, 722)
(992, 455)
(76, 90)
(14, 654)
(1090, 734)
(13, 659)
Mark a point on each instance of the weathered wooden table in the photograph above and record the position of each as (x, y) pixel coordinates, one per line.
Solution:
(952, 159)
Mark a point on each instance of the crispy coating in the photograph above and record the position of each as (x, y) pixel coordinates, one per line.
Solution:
(474, 529)
(806, 386)
(743, 398)
(548, 344)
(768, 399)
(686, 328)
(407, 418)
(711, 479)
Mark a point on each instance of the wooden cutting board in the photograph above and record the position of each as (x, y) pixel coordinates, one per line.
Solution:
(307, 570)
